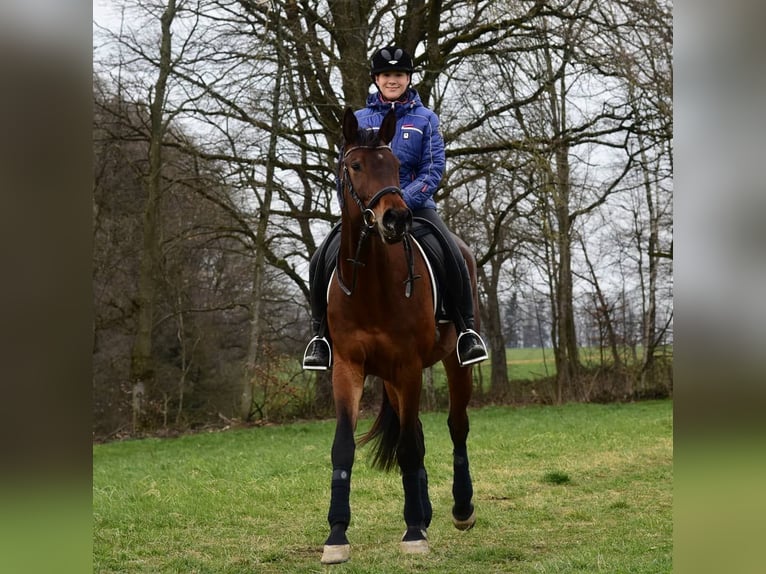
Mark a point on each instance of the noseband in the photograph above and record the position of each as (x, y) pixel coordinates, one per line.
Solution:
(368, 217)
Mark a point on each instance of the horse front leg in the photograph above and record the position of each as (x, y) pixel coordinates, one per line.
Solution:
(459, 380)
(347, 391)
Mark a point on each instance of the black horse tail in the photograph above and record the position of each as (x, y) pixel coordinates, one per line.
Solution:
(384, 436)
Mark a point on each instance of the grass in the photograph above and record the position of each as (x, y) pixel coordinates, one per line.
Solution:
(525, 364)
(576, 488)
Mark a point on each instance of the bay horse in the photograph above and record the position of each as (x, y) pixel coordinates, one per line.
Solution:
(382, 323)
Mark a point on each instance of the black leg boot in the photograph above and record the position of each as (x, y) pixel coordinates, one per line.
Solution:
(470, 347)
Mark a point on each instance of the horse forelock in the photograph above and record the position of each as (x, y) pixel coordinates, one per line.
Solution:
(365, 137)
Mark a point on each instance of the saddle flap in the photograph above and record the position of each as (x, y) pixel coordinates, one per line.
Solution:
(425, 236)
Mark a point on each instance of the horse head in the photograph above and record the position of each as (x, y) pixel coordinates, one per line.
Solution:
(369, 173)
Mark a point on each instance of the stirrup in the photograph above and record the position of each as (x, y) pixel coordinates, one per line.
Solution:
(310, 367)
(483, 356)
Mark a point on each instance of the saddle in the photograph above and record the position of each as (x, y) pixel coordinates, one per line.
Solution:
(425, 237)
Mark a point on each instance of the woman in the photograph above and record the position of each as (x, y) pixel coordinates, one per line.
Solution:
(419, 146)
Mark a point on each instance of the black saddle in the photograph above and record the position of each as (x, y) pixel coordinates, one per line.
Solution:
(429, 239)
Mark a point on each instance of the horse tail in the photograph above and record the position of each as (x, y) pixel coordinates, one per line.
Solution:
(384, 436)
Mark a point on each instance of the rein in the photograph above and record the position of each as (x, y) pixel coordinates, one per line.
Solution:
(368, 218)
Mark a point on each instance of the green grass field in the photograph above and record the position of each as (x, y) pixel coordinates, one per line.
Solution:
(526, 364)
(577, 488)
(535, 363)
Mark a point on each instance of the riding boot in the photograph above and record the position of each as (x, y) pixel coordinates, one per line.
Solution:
(470, 346)
(318, 354)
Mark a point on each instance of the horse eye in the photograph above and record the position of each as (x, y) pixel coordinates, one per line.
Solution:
(356, 166)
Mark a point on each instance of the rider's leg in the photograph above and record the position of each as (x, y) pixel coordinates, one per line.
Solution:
(470, 347)
(318, 354)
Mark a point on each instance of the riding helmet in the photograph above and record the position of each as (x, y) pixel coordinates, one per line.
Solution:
(391, 59)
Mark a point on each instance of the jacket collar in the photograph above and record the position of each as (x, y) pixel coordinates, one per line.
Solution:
(411, 100)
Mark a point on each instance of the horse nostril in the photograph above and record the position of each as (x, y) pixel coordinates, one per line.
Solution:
(397, 222)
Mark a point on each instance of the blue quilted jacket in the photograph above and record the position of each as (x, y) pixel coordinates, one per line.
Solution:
(417, 143)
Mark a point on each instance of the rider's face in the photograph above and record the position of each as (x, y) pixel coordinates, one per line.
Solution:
(392, 84)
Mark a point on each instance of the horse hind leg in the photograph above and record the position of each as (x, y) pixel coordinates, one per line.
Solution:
(415, 538)
(417, 505)
(459, 380)
(463, 511)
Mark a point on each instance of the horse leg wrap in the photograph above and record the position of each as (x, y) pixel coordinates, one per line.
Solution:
(336, 547)
(414, 512)
(424, 498)
(462, 488)
(340, 490)
(337, 536)
(417, 512)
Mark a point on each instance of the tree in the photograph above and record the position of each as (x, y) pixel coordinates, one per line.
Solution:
(647, 66)
(557, 117)
(141, 363)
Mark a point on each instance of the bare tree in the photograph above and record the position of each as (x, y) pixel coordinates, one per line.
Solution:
(648, 69)
(551, 112)
(141, 364)
(261, 244)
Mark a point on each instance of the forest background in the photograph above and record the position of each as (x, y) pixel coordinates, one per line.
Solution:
(215, 133)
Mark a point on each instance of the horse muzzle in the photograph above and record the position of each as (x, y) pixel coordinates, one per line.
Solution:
(396, 222)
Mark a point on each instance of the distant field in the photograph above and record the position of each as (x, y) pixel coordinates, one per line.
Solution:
(523, 364)
(530, 364)
(534, 363)
(578, 488)
(527, 364)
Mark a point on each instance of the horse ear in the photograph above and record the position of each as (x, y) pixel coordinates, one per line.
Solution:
(388, 127)
(350, 126)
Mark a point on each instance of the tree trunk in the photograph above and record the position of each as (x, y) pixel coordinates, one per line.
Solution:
(605, 319)
(141, 364)
(352, 21)
(261, 238)
(567, 356)
(648, 335)
(492, 326)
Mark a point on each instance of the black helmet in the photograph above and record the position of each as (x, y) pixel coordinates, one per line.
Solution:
(390, 59)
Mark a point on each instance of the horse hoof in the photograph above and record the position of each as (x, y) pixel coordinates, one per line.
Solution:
(415, 547)
(336, 553)
(414, 541)
(466, 524)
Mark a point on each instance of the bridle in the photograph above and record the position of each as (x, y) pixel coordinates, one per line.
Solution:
(366, 209)
(368, 218)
